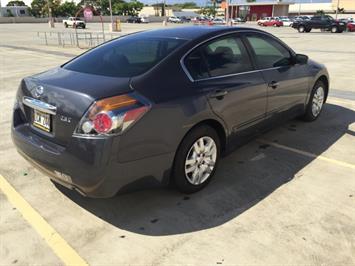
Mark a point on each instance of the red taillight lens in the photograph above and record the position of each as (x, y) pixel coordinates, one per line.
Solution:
(112, 115)
(102, 123)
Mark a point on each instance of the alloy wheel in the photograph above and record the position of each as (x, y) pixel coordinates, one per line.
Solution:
(317, 102)
(200, 160)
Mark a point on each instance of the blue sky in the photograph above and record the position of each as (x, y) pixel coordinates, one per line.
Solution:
(200, 2)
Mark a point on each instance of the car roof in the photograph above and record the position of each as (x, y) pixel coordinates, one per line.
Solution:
(192, 32)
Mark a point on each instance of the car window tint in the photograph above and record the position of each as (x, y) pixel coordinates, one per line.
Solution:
(124, 57)
(218, 58)
(268, 52)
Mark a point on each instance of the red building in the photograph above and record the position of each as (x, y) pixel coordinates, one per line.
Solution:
(256, 10)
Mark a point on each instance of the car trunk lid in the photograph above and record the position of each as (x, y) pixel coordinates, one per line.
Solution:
(71, 94)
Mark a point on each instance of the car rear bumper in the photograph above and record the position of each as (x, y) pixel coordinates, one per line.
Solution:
(90, 165)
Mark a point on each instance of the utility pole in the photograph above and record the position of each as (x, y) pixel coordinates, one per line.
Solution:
(337, 10)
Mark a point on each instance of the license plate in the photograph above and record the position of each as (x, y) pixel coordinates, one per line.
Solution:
(42, 120)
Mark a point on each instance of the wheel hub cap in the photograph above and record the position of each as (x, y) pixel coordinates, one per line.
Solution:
(200, 160)
(318, 100)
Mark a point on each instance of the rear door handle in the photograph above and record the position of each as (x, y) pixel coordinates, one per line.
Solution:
(273, 84)
(218, 94)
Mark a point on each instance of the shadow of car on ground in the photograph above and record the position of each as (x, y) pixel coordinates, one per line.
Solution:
(244, 178)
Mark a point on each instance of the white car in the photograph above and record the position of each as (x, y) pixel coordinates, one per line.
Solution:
(218, 21)
(144, 19)
(174, 19)
(238, 20)
(74, 22)
(265, 19)
(287, 22)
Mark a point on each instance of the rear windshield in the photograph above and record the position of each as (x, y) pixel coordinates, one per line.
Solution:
(125, 57)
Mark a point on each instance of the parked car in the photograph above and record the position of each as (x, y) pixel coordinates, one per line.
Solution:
(302, 18)
(134, 20)
(264, 19)
(286, 22)
(238, 20)
(350, 26)
(74, 22)
(144, 19)
(185, 19)
(175, 19)
(218, 21)
(162, 115)
(273, 22)
(319, 22)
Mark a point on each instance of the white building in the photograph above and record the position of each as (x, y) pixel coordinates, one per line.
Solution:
(14, 11)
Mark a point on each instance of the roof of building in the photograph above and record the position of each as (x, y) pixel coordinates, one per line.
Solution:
(271, 3)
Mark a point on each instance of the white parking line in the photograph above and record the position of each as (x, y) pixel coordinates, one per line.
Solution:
(307, 154)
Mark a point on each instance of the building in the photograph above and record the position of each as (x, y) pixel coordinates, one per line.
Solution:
(14, 11)
(345, 7)
(256, 10)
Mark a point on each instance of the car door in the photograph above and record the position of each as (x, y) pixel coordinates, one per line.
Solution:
(222, 69)
(287, 82)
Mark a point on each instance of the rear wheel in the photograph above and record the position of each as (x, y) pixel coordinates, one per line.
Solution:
(334, 29)
(196, 159)
(316, 101)
(301, 29)
(66, 25)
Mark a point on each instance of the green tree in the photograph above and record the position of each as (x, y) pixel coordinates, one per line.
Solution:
(68, 9)
(127, 9)
(16, 3)
(39, 8)
(320, 12)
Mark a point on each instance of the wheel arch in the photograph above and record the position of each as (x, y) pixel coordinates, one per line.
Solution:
(325, 80)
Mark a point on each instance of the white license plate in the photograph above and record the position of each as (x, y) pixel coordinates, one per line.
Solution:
(42, 120)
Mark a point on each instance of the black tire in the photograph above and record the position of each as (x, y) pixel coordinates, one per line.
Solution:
(334, 29)
(340, 31)
(179, 177)
(308, 115)
(301, 29)
(66, 25)
(308, 30)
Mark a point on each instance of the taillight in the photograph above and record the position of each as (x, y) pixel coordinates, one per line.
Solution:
(112, 115)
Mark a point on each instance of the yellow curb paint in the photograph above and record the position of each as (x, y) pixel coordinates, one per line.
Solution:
(59, 246)
(308, 154)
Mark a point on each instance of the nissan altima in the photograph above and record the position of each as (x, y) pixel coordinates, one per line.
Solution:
(161, 106)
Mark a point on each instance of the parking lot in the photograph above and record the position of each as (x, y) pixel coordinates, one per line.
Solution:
(287, 197)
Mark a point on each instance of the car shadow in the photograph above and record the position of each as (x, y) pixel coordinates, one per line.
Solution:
(244, 178)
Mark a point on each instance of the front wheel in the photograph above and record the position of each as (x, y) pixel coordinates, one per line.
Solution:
(316, 102)
(196, 159)
(301, 29)
(334, 29)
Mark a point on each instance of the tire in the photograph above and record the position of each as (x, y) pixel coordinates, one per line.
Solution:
(340, 31)
(194, 176)
(301, 29)
(308, 30)
(66, 25)
(310, 114)
(334, 29)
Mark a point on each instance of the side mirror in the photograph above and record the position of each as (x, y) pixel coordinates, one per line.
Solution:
(301, 59)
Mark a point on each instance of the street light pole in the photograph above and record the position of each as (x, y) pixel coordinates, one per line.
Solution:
(51, 24)
(337, 10)
(111, 15)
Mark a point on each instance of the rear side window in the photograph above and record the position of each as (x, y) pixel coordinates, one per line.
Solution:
(126, 57)
(220, 57)
(268, 52)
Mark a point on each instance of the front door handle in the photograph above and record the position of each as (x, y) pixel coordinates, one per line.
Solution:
(218, 94)
(273, 84)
